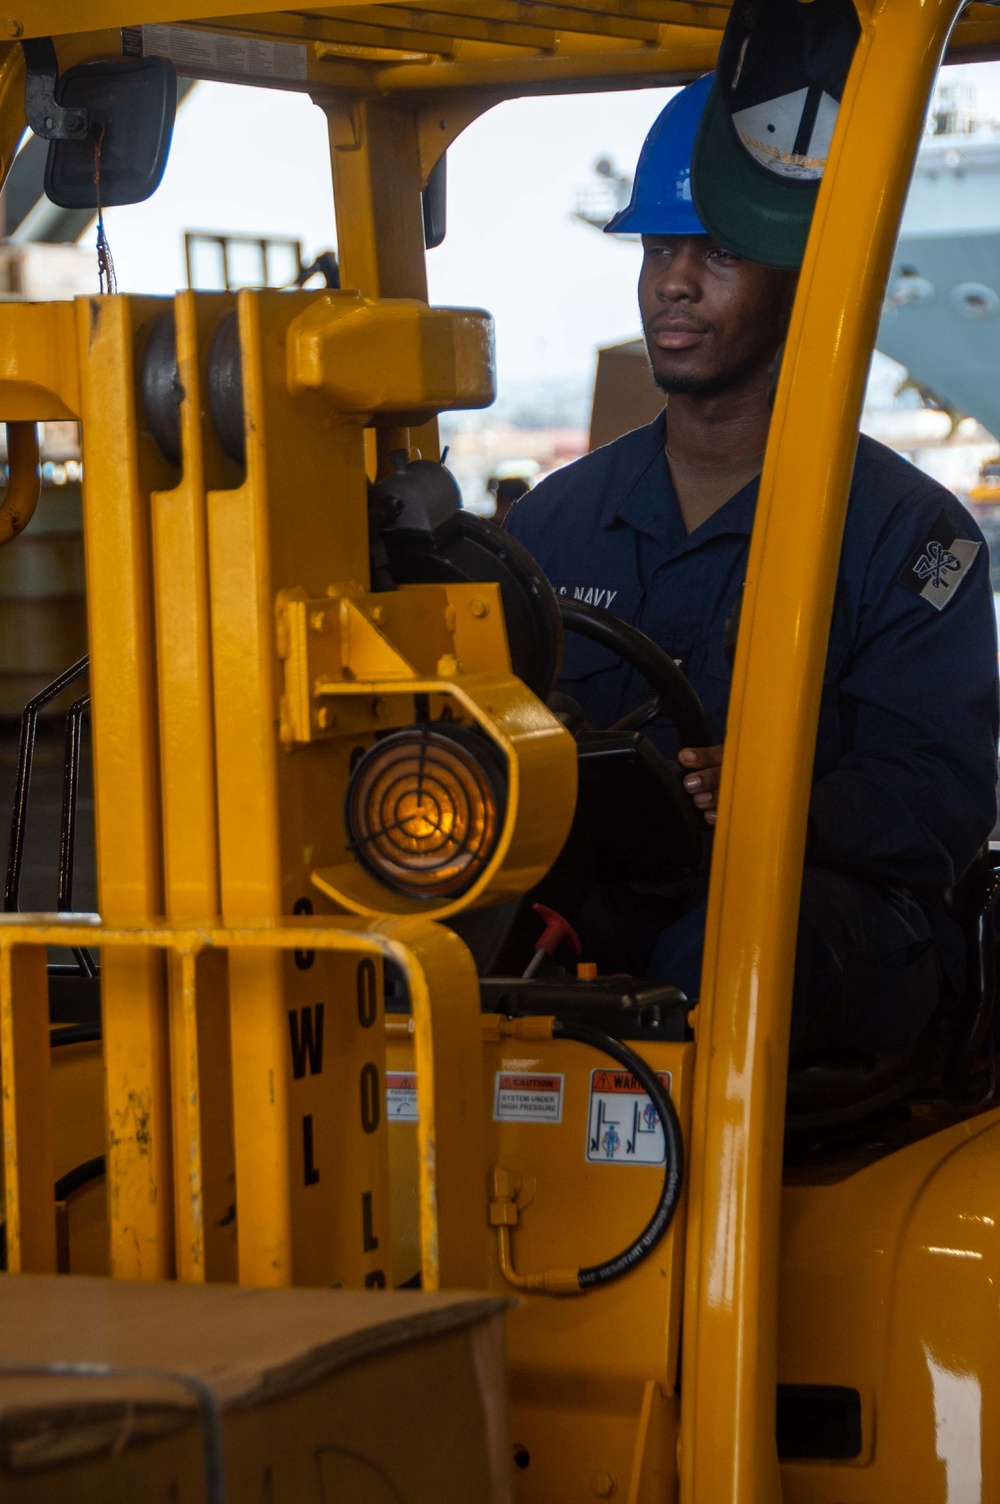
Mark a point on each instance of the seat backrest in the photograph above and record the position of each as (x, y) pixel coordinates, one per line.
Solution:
(846, 1088)
(972, 902)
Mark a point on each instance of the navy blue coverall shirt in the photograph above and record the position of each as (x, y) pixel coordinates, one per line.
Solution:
(904, 783)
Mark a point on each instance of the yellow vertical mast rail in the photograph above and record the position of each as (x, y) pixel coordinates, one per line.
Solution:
(26, 1114)
(122, 468)
(377, 177)
(199, 1035)
(305, 1028)
(729, 1352)
(38, 382)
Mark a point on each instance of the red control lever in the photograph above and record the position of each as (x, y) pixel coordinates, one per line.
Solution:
(557, 929)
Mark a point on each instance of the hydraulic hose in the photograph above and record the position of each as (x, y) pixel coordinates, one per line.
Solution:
(74, 1034)
(504, 1213)
(673, 1169)
(79, 1176)
(66, 1185)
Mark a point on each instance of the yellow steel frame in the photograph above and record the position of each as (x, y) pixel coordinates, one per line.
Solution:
(398, 83)
(731, 1306)
(199, 575)
(468, 53)
(594, 1395)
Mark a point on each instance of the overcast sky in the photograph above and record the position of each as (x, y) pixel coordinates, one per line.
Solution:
(256, 160)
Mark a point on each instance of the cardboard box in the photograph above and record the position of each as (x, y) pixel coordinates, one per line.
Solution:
(177, 1394)
(625, 395)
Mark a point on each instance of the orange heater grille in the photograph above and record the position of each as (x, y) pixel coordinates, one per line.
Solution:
(425, 808)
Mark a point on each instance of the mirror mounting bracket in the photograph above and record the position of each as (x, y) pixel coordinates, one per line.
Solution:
(51, 121)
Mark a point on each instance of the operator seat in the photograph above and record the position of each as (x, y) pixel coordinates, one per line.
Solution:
(844, 1088)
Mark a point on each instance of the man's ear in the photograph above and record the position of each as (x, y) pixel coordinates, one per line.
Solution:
(773, 372)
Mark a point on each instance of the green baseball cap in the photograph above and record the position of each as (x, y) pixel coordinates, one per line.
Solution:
(762, 145)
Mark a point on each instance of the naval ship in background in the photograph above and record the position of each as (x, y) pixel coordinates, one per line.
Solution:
(936, 398)
(942, 304)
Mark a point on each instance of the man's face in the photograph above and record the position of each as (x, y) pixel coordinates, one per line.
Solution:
(712, 321)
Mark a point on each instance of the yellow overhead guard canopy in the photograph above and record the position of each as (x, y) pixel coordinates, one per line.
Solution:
(499, 47)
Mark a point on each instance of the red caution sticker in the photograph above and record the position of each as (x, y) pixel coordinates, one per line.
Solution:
(520, 1097)
(401, 1096)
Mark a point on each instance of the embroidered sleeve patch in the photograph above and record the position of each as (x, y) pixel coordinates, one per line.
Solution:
(935, 570)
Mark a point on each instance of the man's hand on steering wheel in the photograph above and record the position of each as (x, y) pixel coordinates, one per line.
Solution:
(702, 782)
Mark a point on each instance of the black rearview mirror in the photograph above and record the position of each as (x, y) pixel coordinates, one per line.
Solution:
(435, 204)
(129, 107)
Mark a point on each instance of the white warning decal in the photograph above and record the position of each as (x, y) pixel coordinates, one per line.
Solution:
(520, 1097)
(623, 1127)
(401, 1096)
(219, 52)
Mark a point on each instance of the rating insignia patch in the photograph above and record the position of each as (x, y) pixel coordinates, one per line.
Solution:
(935, 570)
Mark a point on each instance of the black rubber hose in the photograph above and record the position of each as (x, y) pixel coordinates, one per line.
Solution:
(673, 1170)
(73, 1180)
(74, 1034)
(80, 1175)
(654, 663)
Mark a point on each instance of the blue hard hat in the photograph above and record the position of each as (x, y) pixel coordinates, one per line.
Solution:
(661, 201)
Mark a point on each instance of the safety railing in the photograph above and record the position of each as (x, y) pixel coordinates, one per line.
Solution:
(445, 1040)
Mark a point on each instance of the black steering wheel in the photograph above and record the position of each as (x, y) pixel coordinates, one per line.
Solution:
(634, 822)
(675, 699)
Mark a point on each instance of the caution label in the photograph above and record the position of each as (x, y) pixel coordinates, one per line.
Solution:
(623, 1126)
(401, 1096)
(527, 1098)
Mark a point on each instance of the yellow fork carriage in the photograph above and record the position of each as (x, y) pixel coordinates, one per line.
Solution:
(266, 1113)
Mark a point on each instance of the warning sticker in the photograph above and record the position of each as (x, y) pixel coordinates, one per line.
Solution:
(527, 1098)
(217, 52)
(623, 1127)
(401, 1096)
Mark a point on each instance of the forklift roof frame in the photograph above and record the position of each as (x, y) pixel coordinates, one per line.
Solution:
(398, 83)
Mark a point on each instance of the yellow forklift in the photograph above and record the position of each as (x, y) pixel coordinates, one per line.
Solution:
(284, 1053)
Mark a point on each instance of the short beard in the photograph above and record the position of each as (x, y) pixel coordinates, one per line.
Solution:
(714, 385)
(686, 386)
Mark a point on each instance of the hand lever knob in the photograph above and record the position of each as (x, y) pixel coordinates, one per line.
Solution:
(557, 929)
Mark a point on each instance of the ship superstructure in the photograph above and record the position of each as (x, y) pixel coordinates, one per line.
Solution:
(942, 304)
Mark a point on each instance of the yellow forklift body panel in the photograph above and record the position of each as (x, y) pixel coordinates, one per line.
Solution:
(220, 791)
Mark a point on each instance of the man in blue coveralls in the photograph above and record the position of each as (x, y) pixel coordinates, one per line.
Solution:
(655, 527)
